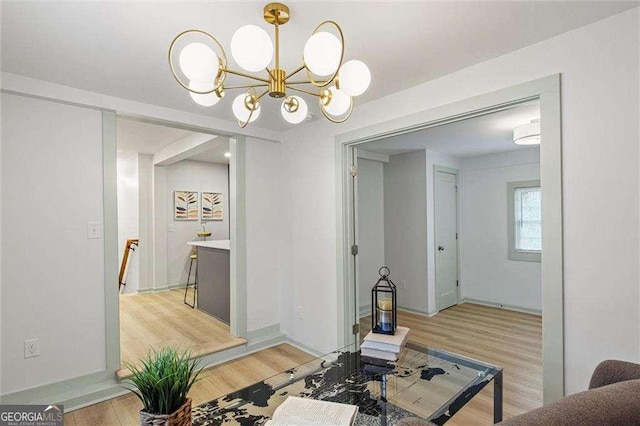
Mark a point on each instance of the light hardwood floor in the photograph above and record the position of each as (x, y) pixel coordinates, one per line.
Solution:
(509, 339)
(158, 320)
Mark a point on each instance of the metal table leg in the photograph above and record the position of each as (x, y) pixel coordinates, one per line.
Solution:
(497, 398)
(383, 397)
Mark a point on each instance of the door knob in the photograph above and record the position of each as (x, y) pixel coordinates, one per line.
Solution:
(440, 248)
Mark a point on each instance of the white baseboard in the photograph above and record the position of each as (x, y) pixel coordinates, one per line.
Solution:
(416, 311)
(304, 348)
(161, 289)
(97, 387)
(366, 311)
(501, 305)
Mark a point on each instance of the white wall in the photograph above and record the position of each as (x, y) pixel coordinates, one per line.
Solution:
(127, 169)
(371, 256)
(264, 223)
(161, 217)
(405, 227)
(52, 275)
(487, 273)
(200, 177)
(435, 159)
(309, 213)
(144, 254)
(600, 95)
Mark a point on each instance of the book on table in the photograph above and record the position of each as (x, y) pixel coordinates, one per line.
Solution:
(374, 353)
(386, 342)
(307, 411)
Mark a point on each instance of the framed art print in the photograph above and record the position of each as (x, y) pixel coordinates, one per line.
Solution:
(185, 205)
(212, 206)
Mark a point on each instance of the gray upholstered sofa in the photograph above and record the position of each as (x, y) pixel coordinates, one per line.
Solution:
(613, 398)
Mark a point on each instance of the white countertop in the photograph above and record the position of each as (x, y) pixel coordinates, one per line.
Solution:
(214, 244)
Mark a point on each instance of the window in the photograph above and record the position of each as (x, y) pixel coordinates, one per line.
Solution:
(528, 220)
(525, 220)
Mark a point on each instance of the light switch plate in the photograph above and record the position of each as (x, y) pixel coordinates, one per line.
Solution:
(94, 230)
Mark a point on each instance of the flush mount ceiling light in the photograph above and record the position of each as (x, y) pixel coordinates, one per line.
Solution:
(527, 134)
(199, 64)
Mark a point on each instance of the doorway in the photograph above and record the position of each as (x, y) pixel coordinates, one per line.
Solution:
(546, 91)
(174, 198)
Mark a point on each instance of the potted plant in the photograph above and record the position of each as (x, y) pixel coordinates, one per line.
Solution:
(162, 383)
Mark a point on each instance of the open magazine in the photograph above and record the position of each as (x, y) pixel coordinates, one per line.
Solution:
(306, 411)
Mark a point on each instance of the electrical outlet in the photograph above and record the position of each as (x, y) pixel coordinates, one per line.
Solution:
(300, 312)
(31, 348)
(403, 284)
(94, 230)
(171, 227)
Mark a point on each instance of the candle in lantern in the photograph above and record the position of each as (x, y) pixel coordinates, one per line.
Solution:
(384, 310)
(385, 304)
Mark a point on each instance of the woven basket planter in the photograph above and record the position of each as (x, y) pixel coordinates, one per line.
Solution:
(180, 417)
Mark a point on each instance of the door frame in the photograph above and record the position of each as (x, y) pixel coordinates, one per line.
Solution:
(546, 90)
(237, 229)
(437, 168)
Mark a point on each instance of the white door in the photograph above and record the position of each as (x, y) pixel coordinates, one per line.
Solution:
(446, 237)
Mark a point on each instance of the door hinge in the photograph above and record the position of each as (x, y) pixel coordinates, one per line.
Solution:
(353, 170)
(456, 235)
(355, 328)
(457, 283)
(354, 250)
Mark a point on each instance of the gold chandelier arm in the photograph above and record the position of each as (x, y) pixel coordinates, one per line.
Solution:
(296, 71)
(336, 120)
(319, 84)
(304, 91)
(263, 93)
(303, 82)
(251, 93)
(245, 86)
(222, 61)
(270, 73)
(277, 34)
(241, 74)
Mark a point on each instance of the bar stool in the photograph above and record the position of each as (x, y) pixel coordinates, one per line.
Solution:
(194, 257)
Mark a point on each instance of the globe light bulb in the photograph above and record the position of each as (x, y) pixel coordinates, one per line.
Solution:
(322, 53)
(294, 109)
(252, 48)
(199, 62)
(354, 78)
(340, 102)
(208, 99)
(241, 111)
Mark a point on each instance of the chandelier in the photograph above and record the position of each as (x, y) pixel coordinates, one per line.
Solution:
(202, 69)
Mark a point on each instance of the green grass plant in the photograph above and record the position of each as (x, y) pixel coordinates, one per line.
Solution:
(163, 379)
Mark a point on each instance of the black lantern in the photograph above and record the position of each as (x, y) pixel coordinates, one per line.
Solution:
(384, 316)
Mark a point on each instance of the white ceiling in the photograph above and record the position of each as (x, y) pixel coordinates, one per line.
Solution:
(215, 154)
(145, 138)
(120, 48)
(135, 136)
(487, 134)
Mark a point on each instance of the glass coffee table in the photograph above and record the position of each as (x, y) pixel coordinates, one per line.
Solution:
(428, 383)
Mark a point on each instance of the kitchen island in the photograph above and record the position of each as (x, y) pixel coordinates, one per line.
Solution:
(213, 277)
